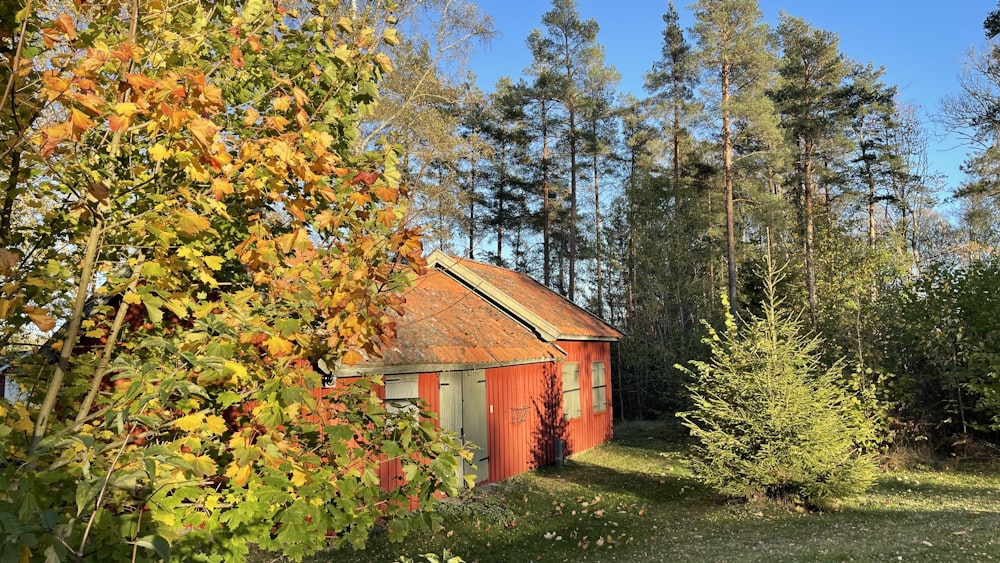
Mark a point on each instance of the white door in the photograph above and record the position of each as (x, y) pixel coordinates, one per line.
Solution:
(474, 421)
(463, 411)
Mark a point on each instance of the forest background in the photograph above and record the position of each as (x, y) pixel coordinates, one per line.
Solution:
(620, 200)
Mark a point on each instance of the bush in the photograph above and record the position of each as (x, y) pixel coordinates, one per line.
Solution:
(770, 420)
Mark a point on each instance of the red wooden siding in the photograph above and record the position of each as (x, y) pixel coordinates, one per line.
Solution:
(524, 413)
(390, 472)
(428, 387)
(590, 429)
(523, 425)
(517, 436)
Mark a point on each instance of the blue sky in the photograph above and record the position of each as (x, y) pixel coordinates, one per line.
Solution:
(921, 44)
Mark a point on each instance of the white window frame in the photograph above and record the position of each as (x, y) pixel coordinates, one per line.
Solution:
(571, 391)
(599, 389)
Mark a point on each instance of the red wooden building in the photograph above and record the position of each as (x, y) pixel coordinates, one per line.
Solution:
(507, 364)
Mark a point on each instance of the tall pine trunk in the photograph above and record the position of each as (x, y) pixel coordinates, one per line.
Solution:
(727, 164)
(546, 210)
(810, 264)
(572, 201)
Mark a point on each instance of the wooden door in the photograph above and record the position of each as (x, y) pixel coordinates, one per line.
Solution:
(463, 411)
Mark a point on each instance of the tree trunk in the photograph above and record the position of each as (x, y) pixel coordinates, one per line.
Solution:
(69, 343)
(572, 201)
(869, 177)
(10, 194)
(597, 242)
(727, 164)
(630, 303)
(809, 230)
(472, 213)
(501, 195)
(676, 156)
(546, 212)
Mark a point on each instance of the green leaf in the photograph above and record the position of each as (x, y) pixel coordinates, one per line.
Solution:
(227, 398)
(287, 327)
(155, 544)
(152, 270)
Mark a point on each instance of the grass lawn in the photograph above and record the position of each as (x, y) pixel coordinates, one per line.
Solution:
(636, 500)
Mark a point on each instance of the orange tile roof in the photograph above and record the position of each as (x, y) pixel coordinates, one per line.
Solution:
(571, 321)
(445, 325)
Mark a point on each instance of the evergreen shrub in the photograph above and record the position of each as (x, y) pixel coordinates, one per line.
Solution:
(770, 420)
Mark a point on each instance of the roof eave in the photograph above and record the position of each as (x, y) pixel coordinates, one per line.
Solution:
(546, 331)
(396, 369)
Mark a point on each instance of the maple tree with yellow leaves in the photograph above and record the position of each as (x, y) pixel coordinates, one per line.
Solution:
(193, 210)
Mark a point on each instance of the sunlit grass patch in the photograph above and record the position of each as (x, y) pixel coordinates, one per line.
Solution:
(637, 500)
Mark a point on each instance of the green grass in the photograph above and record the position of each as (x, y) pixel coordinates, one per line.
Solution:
(636, 500)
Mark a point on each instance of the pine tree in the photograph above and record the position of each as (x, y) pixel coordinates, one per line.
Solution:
(809, 98)
(770, 420)
(568, 50)
(735, 46)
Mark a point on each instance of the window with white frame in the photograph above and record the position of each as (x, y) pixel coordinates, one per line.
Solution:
(571, 390)
(599, 386)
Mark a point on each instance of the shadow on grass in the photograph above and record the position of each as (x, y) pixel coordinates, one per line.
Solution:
(651, 434)
(664, 486)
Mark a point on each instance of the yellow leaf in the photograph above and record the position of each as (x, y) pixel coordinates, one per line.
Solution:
(300, 97)
(191, 223)
(212, 94)
(202, 465)
(215, 424)
(6, 305)
(202, 310)
(299, 478)
(203, 131)
(383, 61)
(80, 122)
(239, 474)
(221, 187)
(214, 262)
(23, 421)
(234, 369)
(281, 150)
(282, 103)
(251, 117)
(190, 422)
(278, 346)
(159, 153)
(197, 172)
(126, 109)
(352, 357)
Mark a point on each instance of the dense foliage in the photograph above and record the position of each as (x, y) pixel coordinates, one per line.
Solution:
(946, 346)
(192, 202)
